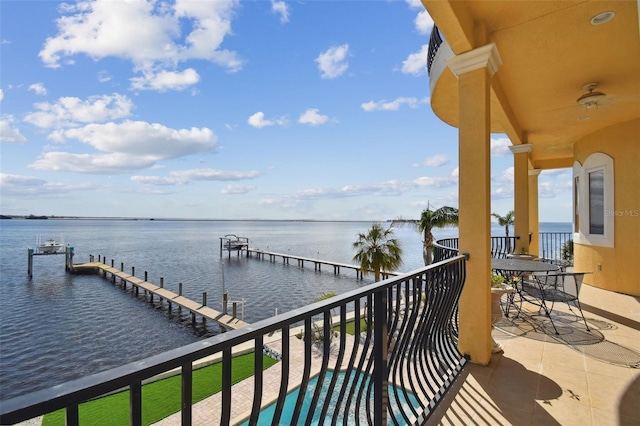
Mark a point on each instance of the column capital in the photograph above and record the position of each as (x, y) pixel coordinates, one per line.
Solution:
(485, 56)
(534, 172)
(525, 147)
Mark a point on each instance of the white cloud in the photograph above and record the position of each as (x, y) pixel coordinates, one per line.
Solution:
(1, 95)
(104, 76)
(141, 139)
(71, 111)
(313, 117)
(150, 34)
(393, 105)
(333, 63)
(424, 22)
(162, 80)
(282, 9)
(500, 147)
(257, 120)
(29, 186)
(387, 188)
(414, 4)
(455, 172)
(435, 161)
(8, 133)
(115, 163)
(19, 180)
(213, 174)
(183, 177)
(234, 189)
(507, 176)
(416, 63)
(38, 88)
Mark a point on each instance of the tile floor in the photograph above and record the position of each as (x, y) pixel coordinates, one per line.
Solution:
(578, 377)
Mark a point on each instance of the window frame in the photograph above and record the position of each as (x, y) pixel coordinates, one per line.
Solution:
(581, 173)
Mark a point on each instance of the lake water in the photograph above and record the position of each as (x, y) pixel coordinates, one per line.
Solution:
(57, 327)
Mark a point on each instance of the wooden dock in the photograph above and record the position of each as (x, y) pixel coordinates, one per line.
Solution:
(261, 254)
(226, 321)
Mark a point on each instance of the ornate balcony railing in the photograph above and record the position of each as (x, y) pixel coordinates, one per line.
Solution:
(554, 246)
(500, 247)
(434, 44)
(396, 371)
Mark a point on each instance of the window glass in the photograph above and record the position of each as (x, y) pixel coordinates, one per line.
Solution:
(596, 202)
(576, 205)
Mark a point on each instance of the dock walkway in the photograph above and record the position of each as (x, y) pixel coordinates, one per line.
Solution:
(226, 321)
(260, 254)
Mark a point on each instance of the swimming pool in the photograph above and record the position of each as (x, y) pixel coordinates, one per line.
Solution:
(266, 414)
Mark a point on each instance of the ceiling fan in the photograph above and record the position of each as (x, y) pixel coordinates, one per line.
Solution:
(592, 99)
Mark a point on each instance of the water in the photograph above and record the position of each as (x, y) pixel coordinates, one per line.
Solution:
(267, 413)
(58, 327)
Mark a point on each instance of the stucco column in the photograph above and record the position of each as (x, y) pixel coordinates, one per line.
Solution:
(534, 221)
(474, 70)
(521, 195)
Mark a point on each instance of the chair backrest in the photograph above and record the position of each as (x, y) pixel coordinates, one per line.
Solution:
(571, 283)
(563, 286)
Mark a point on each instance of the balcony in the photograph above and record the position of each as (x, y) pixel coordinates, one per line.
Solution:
(573, 378)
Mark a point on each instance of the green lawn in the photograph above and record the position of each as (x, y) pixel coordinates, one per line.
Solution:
(350, 327)
(159, 399)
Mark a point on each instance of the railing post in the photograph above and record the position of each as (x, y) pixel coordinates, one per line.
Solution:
(380, 371)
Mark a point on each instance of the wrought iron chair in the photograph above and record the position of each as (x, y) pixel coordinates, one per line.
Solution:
(556, 287)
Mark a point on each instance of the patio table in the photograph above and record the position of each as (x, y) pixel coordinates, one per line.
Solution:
(521, 269)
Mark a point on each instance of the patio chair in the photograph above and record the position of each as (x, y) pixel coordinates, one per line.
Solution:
(557, 287)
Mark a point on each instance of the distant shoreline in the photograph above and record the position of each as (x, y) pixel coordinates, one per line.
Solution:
(177, 219)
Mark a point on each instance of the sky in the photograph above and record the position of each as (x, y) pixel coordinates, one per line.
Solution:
(230, 110)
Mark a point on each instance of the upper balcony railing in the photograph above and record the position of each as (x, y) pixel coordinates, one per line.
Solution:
(395, 368)
(434, 44)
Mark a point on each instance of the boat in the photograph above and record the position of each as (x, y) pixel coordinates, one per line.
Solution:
(50, 246)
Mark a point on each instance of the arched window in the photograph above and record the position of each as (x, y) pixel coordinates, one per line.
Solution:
(593, 203)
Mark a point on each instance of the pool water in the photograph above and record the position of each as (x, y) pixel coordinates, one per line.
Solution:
(266, 414)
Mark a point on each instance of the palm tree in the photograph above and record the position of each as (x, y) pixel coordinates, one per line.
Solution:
(377, 250)
(505, 221)
(440, 218)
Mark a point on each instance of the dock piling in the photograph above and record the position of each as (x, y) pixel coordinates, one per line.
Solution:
(204, 298)
(179, 289)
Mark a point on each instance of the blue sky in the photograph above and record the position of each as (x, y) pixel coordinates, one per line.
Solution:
(230, 110)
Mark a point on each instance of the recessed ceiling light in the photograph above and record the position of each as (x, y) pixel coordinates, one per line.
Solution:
(603, 17)
(584, 118)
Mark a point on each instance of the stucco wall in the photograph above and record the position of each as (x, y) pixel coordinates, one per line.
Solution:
(617, 268)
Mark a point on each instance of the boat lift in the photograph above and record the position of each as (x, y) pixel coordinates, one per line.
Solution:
(232, 242)
(47, 248)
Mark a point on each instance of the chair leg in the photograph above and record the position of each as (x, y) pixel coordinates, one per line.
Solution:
(547, 312)
(583, 318)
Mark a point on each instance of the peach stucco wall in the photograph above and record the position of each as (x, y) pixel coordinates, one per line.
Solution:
(616, 268)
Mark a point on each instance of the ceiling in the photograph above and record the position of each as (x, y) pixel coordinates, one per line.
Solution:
(550, 51)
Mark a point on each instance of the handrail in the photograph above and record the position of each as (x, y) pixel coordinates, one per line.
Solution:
(409, 359)
(434, 44)
(552, 246)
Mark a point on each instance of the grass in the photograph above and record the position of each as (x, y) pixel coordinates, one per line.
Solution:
(350, 327)
(159, 399)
